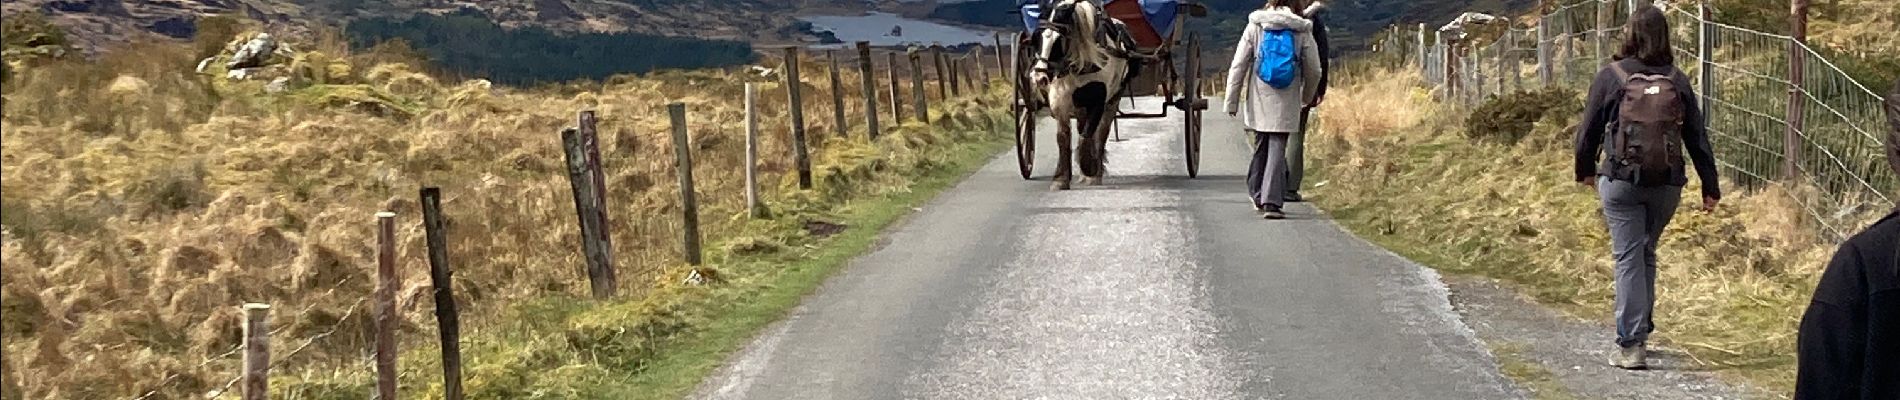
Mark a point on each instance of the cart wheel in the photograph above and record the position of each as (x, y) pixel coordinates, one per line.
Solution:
(1192, 120)
(1025, 140)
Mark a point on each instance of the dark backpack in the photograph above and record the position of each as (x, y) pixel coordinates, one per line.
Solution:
(1647, 142)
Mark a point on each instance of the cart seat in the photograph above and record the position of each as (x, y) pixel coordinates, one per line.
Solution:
(1148, 20)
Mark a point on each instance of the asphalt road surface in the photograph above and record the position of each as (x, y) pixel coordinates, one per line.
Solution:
(1150, 286)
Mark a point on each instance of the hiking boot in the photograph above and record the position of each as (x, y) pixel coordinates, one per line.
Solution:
(1293, 197)
(1632, 357)
(1271, 212)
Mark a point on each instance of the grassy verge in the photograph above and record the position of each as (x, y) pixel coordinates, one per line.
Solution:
(1529, 373)
(1398, 169)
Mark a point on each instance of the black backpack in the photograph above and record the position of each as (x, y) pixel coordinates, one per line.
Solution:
(1646, 145)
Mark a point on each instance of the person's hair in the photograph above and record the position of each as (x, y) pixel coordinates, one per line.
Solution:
(1893, 134)
(1647, 38)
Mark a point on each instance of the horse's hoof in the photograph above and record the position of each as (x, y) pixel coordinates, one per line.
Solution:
(1092, 180)
(1059, 185)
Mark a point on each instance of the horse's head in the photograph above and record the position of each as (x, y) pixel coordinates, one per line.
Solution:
(1066, 39)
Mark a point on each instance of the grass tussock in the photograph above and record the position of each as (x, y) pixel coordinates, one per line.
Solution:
(1732, 283)
(144, 201)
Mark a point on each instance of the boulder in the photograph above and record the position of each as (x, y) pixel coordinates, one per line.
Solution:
(254, 53)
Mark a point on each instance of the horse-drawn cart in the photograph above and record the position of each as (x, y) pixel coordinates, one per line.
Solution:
(1157, 31)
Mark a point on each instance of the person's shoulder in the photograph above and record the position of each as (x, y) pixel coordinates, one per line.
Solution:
(1876, 250)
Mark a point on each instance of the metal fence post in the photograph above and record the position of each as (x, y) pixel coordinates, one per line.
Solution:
(868, 78)
(1002, 69)
(1705, 50)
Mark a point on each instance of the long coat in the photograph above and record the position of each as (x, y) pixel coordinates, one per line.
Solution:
(1268, 109)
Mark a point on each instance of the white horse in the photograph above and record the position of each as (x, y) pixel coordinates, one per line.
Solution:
(1081, 66)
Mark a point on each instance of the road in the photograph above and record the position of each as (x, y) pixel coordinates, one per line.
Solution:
(1151, 286)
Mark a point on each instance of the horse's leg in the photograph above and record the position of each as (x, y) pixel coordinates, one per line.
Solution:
(1103, 121)
(1063, 151)
(1090, 101)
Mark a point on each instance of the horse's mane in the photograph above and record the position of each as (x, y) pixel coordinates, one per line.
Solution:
(1087, 21)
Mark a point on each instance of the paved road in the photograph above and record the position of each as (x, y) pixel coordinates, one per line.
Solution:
(1151, 286)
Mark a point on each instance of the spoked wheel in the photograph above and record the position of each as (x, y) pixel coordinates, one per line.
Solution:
(1025, 140)
(1194, 104)
(1025, 109)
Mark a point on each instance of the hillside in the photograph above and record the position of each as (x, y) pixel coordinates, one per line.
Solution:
(100, 24)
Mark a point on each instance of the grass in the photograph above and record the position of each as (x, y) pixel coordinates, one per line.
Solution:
(1528, 373)
(1732, 283)
(143, 202)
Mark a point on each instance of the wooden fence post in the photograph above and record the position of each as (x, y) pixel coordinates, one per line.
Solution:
(868, 78)
(1002, 68)
(1543, 53)
(956, 74)
(386, 316)
(800, 155)
(837, 95)
(447, 320)
(1422, 61)
(943, 84)
(1797, 103)
(752, 205)
(917, 86)
(589, 186)
(983, 71)
(689, 204)
(256, 378)
(897, 98)
(1604, 14)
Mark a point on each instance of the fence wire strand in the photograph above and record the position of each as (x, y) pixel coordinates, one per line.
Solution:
(1814, 128)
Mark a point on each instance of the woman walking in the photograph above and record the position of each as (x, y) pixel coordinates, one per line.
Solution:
(1272, 110)
(1642, 107)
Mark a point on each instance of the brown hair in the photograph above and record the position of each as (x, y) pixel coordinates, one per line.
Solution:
(1647, 38)
(1295, 5)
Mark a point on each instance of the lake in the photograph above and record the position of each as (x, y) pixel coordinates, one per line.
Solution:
(876, 28)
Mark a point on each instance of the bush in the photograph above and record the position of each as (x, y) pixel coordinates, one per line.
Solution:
(1509, 118)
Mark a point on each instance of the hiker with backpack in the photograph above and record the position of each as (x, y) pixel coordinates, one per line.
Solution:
(1277, 66)
(1640, 117)
(1849, 343)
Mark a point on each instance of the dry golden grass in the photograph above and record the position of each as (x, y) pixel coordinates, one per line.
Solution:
(143, 202)
(1731, 286)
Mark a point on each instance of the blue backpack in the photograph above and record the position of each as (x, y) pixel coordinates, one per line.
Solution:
(1278, 58)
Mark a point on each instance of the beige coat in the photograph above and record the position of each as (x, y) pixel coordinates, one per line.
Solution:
(1268, 109)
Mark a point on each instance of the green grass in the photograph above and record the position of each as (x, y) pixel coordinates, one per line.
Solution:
(1528, 373)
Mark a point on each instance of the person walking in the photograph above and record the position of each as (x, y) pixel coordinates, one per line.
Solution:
(1640, 116)
(1277, 66)
(1848, 346)
(1296, 144)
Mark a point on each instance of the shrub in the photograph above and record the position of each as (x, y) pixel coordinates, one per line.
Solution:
(1509, 118)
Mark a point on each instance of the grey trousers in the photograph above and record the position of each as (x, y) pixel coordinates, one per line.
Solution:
(1266, 176)
(1296, 153)
(1636, 216)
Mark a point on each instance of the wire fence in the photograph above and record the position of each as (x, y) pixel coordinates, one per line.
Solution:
(1777, 109)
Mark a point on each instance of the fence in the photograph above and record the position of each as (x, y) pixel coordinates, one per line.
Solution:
(955, 75)
(1777, 110)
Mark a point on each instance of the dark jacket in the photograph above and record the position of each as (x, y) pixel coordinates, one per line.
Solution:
(1849, 344)
(1600, 111)
(1314, 13)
